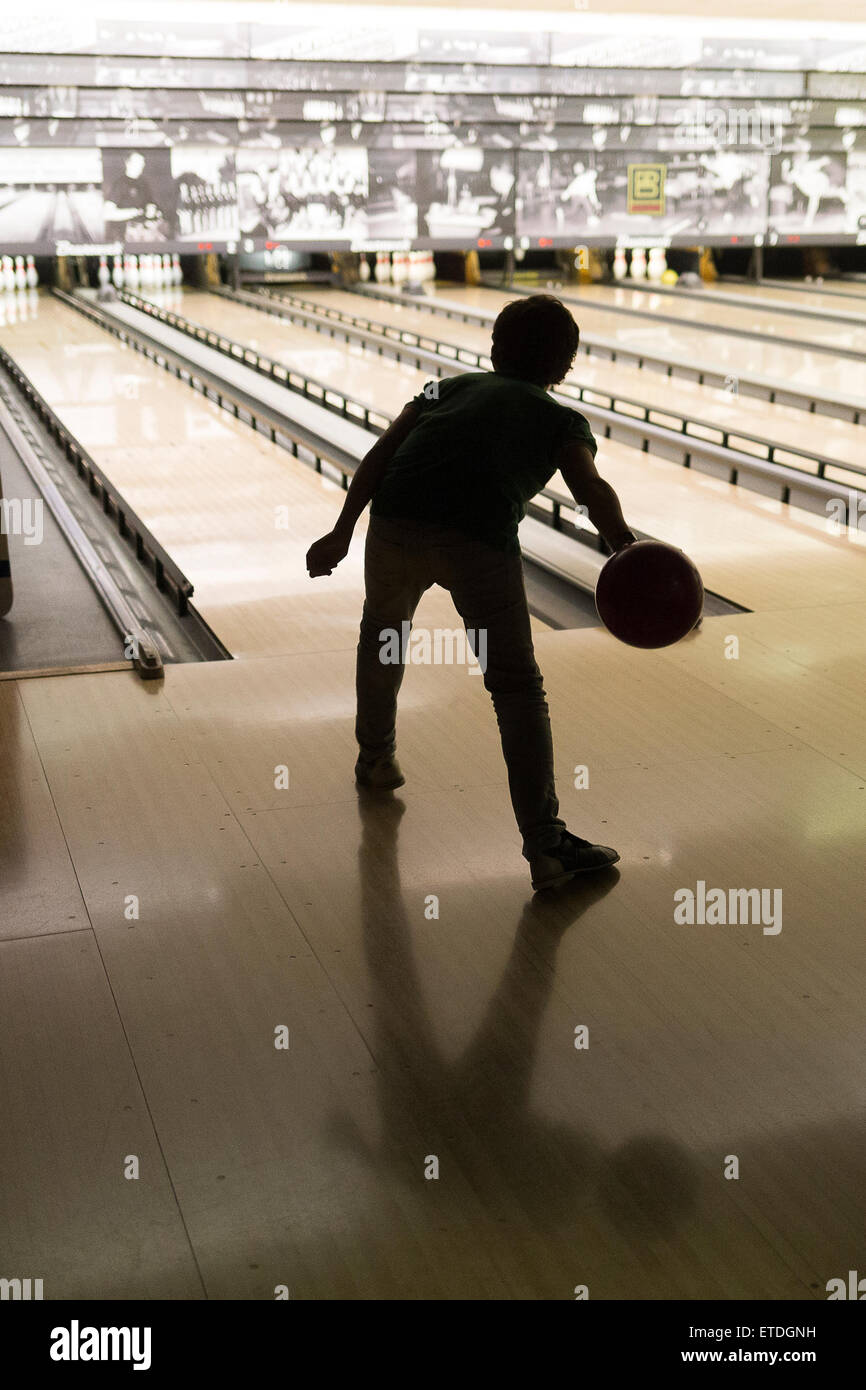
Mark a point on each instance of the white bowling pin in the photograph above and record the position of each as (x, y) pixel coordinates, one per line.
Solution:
(133, 278)
(20, 274)
(167, 277)
(364, 269)
(32, 275)
(429, 266)
(8, 266)
(117, 273)
(657, 264)
(620, 265)
(413, 270)
(176, 272)
(103, 274)
(637, 269)
(382, 272)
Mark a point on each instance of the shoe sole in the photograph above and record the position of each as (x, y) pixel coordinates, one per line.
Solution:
(370, 785)
(572, 873)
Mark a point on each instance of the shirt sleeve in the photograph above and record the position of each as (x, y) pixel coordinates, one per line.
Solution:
(576, 428)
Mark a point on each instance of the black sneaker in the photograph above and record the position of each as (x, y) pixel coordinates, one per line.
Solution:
(571, 856)
(385, 774)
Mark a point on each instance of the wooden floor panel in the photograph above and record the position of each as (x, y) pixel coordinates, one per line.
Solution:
(38, 889)
(73, 1114)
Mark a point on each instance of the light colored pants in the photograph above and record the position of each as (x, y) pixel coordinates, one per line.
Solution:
(403, 558)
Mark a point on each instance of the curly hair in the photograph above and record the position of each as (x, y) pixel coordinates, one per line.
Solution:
(535, 338)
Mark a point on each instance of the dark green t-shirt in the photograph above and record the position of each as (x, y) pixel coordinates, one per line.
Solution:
(484, 444)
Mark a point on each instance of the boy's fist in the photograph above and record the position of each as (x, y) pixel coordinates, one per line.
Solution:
(325, 554)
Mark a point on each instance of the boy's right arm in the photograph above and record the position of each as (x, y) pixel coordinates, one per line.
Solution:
(577, 466)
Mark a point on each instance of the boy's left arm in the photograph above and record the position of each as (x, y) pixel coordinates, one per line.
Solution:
(324, 554)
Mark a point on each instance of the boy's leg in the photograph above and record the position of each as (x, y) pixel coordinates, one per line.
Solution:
(488, 591)
(394, 581)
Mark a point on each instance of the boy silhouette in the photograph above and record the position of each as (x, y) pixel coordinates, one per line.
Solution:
(449, 482)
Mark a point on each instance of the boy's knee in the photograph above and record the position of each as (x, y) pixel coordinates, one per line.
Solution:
(527, 683)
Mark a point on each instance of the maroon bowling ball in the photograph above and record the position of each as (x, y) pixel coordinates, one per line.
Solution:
(649, 594)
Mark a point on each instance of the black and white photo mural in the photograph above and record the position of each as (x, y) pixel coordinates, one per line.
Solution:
(207, 193)
(809, 192)
(391, 212)
(307, 195)
(465, 194)
(139, 196)
(50, 195)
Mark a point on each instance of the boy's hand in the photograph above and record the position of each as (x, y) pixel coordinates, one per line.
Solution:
(326, 553)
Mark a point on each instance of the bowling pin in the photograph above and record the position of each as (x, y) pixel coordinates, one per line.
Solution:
(20, 274)
(429, 266)
(414, 269)
(620, 265)
(176, 272)
(103, 274)
(133, 279)
(657, 264)
(637, 269)
(396, 275)
(8, 266)
(32, 275)
(364, 269)
(166, 269)
(382, 273)
(117, 273)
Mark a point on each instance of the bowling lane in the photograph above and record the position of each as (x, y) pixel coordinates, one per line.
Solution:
(827, 289)
(784, 366)
(790, 295)
(235, 511)
(751, 549)
(745, 319)
(780, 424)
(351, 368)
